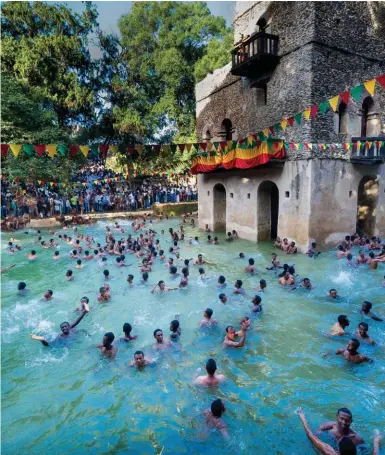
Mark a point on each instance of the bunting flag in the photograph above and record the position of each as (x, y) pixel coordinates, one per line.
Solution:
(334, 102)
(298, 118)
(188, 147)
(40, 149)
(104, 150)
(314, 110)
(95, 150)
(114, 149)
(381, 80)
(356, 92)
(307, 113)
(370, 86)
(73, 150)
(284, 124)
(62, 149)
(4, 149)
(139, 149)
(51, 150)
(84, 149)
(291, 121)
(345, 96)
(323, 107)
(181, 147)
(28, 149)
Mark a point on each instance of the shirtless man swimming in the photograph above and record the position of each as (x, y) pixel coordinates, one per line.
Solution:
(160, 342)
(339, 327)
(208, 320)
(140, 361)
(286, 280)
(106, 347)
(214, 416)
(341, 428)
(231, 335)
(362, 333)
(366, 310)
(211, 379)
(351, 354)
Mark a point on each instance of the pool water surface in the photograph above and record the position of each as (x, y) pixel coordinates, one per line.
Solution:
(68, 399)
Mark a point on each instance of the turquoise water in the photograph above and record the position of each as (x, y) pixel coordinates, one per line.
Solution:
(69, 399)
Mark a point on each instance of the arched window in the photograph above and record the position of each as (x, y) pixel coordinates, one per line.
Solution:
(370, 121)
(227, 129)
(343, 118)
(207, 136)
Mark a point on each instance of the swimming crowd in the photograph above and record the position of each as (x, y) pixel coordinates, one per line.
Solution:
(147, 249)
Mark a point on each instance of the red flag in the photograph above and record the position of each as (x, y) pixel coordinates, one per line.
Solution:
(4, 149)
(345, 96)
(292, 146)
(73, 150)
(104, 150)
(291, 121)
(240, 142)
(203, 145)
(40, 149)
(314, 111)
(381, 80)
(181, 147)
(271, 128)
(223, 145)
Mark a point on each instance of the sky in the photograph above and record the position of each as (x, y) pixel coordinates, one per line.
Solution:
(110, 12)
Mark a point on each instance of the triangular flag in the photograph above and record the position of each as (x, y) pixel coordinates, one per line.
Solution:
(40, 149)
(369, 144)
(266, 132)
(229, 145)
(104, 150)
(306, 114)
(4, 149)
(292, 145)
(298, 117)
(269, 145)
(73, 150)
(381, 80)
(370, 86)
(165, 149)
(323, 107)
(51, 150)
(334, 102)
(223, 145)
(250, 140)
(345, 96)
(114, 148)
(139, 148)
(314, 110)
(62, 149)
(271, 128)
(216, 145)
(291, 121)
(130, 149)
(84, 149)
(284, 124)
(203, 146)
(356, 92)
(181, 147)
(261, 136)
(173, 148)
(188, 147)
(310, 146)
(296, 146)
(28, 149)
(209, 146)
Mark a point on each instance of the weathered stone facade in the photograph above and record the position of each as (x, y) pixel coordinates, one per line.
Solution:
(325, 48)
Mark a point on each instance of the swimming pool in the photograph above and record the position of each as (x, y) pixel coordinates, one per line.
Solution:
(57, 400)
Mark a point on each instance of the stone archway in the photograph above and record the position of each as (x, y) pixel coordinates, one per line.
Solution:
(268, 208)
(367, 196)
(219, 207)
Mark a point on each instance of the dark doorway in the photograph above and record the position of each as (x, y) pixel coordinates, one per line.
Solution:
(268, 210)
(366, 205)
(219, 207)
(227, 129)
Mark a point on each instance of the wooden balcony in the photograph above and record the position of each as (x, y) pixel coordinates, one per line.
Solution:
(371, 154)
(256, 57)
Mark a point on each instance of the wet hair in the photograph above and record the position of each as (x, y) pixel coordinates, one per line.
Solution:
(262, 282)
(78, 261)
(119, 260)
(229, 327)
(241, 255)
(56, 253)
(371, 254)
(257, 300)
(200, 270)
(161, 252)
(145, 276)
(209, 311)
(21, 286)
(85, 298)
(127, 328)
(306, 279)
(106, 272)
(349, 256)
(364, 325)
(345, 410)
(221, 279)
(340, 247)
(251, 261)
(313, 244)
(346, 446)
(367, 304)
(156, 331)
(185, 271)
(291, 270)
(74, 251)
(173, 269)
(215, 238)
(347, 237)
(160, 282)
(139, 353)
(131, 276)
(104, 259)
(221, 296)
(102, 289)
(69, 272)
(217, 407)
(211, 367)
(331, 290)
(110, 337)
(96, 251)
(174, 325)
(186, 262)
(355, 342)
(342, 318)
(239, 283)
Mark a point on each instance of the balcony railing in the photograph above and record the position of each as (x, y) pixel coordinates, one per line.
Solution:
(255, 55)
(372, 149)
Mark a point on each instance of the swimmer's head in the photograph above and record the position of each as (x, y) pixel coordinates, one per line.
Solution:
(104, 259)
(65, 328)
(106, 273)
(158, 335)
(33, 252)
(75, 252)
(161, 284)
(353, 345)
(118, 260)
(208, 313)
(201, 271)
(69, 273)
(185, 271)
(173, 270)
(344, 417)
(211, 367)
(346, 446)
(130, 278)
(221, 279)
(223, 298)
(343, 320)
(262, 284)
(217, 407)
(56, 253)
(363, 328)
(48, 294)
(251, 261)
(84, 299)
(108, 339)
(174, 326)
(256, 300)
(145, 276)
(230, 332)
(186, 262)
(96, 251)
(79, 262)
(238, 284)
(366, 306)
(127, 328)
(349, 256)
(333, 293)
(139, 358)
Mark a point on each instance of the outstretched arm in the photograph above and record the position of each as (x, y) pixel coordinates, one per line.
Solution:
(323, 448)
(75, 323)
(376, 444)
(37, 338)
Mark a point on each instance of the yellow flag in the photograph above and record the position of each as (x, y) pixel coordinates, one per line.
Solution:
(188, 147)
(296, 146)
(229, 145)
(250, 140)
(209, 146)
(306, 114)
(139, 149)
(113, 148)
(15, 149)
(266, 132)
(84, 149)
(310, 145)
(283, 124)
(369, 144)
(370, 85)
(165, 150)
(51, 150)
(334, 102)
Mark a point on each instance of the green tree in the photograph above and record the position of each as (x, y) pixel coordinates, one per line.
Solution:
(45, 46)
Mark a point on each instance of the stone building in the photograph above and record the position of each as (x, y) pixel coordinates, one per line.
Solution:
(291, 56)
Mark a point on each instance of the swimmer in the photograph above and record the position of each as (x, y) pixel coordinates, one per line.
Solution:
(250, 268)
(361, 259)
(65, 327)
(241, 256)
(304, 284)
(140, 361)
(130, 280)
(339, 327)
(56, 256)
(69, 275)
(173, 272)
(292, 249)
(160, 342)
(144, 279)
(372, 262)
(106, 274)
(341, 252)
(104, 295)
(262, 286)
(106, 347)
(362, 333)
(286, 280)
(127, 328)
(257, 304)
(278, 243)
(175, 328)
(345, 444)
(275, 262)
(202, 274)
(238, 287)
(285, 244)
(312, 253)
(351, 354)
(229, 237)
(223, 298)
(211, 379)
(366, 311)
(32, 255)
(87, 256)
(22, 288)
(215, 242)
(208, 320)
(79, 264)
(161, 286)
(201, 261)
(214, 417)
(222, 282)
(48, 295)
(184, 280)
(341, 428)
(333, 294)
(84, 305)
(231, 335)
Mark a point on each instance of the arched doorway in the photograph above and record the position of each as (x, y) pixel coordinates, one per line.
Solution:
(268, 207)
(219, 207)
(366, 205)
(370, 120)
(227, 129)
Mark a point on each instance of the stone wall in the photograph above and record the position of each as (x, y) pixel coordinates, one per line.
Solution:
(175, 208)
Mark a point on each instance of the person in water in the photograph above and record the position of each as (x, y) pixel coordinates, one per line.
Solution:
(48, 295)
(222, 282)
(66, 328)
(345, 444)
(140, 361)
(238, 287)
(312, 253)
(32, 256)
(333, 294)
(351, 354)
(208, 320)
(262, 286)
(257, 304)
(211, 379)
(250, 268)
(161, 343)
(106, 347)
(230, 337)
(223, 298)
(161, 287)
(127, 328)
(341, 428)
(214, 416)
(366, 310)
(362, 334)
(339, 327)
(22, 288)
(69, 275)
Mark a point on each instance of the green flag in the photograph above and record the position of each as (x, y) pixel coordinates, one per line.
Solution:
(323, 107)
(28, 149)
(298, 117)
(95, 149)
(356, 92)
(62, 149)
